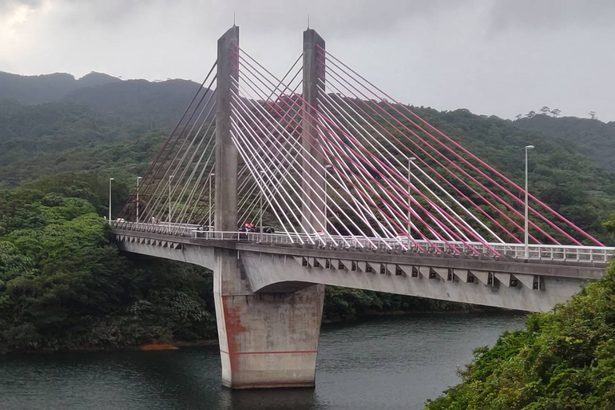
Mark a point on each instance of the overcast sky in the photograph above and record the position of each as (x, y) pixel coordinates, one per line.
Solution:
(500, 57)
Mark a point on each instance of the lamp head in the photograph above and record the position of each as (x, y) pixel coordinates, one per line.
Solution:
(529, 147)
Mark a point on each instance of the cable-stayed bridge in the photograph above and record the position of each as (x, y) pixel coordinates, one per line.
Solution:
(283, 185)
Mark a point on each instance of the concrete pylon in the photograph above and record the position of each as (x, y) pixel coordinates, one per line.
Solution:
(226, 152)
(313, 208)
(267, 340)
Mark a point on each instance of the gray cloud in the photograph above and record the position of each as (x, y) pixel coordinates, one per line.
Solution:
(491, 56)
(551, 14)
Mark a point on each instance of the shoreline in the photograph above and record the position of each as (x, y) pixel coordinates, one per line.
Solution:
(212, 342)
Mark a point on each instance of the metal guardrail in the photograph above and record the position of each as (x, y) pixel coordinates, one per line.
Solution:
(557, 253)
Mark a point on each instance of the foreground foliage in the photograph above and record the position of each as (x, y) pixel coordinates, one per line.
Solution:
(564, 359)
(64, 285)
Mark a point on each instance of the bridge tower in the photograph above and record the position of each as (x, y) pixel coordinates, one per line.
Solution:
(313, 83)
(270, 339)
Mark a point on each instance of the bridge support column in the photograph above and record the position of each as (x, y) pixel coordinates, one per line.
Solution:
(266, 340)
(314, 175)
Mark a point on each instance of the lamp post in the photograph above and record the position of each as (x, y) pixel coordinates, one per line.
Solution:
(170, 179)
(260, 206)
(138, 180)
(110, 180)
(210, 211)
(410, 162)
(526, 226)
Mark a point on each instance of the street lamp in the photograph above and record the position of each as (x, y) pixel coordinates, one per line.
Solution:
(211, 174)
(260, 205)
(110, 180)
(527, 235)
(138, 180)
(170, 179)
(410, 162)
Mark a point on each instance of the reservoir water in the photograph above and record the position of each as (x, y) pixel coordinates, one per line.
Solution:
(383, 363)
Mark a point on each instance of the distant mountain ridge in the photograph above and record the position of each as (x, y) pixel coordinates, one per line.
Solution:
(138, 102)
(45, 88)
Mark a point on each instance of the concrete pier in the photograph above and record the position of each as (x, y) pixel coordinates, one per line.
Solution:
(267, 340)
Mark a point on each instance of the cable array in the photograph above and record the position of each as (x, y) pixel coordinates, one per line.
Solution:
(176, 186)
(352, 166)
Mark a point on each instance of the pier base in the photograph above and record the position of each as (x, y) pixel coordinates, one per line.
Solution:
(267, 340)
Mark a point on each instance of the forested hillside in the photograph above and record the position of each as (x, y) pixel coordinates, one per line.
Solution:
(40, 89)
(147, 104)
(594, 139)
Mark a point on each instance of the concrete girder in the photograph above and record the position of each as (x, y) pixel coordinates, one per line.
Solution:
(462, 274)
(526, 280)
(391, 268)
(503, 278)
(482, 276)
(424, 271)
(556, 290)
(373, 267)
(441, 272)
(407, 269)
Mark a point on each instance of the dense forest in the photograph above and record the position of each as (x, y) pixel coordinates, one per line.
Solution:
(63, 283)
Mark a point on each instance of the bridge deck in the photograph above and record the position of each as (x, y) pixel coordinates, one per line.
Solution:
(554, 261)
(551, 253)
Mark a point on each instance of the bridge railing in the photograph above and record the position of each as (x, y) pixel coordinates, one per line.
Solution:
(163, 228)
(556, 253)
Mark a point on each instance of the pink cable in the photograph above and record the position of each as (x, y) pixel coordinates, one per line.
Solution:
(491, 168)
(441, 177)
(497, 197)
